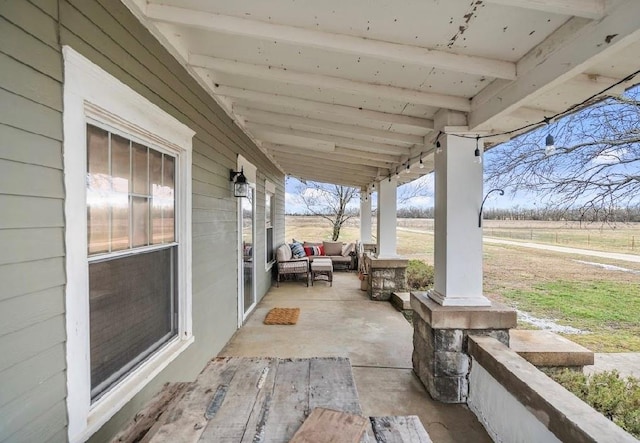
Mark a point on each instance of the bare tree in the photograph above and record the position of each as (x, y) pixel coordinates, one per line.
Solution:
(596, 164)
(329, 202)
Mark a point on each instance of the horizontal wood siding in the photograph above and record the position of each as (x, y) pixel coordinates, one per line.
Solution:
(32, 263)
(109, 35)
(32, 277)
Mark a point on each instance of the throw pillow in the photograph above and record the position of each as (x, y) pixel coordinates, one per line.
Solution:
(332, 248)
(297, 250)
(283, 253)
(348, 248)
(313, 250)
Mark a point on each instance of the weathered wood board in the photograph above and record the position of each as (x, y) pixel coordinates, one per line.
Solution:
(257, 400)
(329, 426)
(401, 429)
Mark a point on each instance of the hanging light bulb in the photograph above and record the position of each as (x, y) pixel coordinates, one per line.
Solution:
(477, 153)
(366, 196)
(421, 164)
(408, 168)
(397, 173)
(438, 147)
(373, 185)
(550, 147)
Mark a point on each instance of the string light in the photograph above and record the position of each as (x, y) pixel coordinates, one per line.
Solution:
(478, 155)
(408, 169)
(421, 163)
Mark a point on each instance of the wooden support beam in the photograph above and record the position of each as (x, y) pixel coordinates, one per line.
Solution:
(266, 133)
(315, 106)
(308, 124)
(273, 149)
(420, 127)
(318, 81)
(311, 161)
(341, 43)
(592, 9)
(560, 57)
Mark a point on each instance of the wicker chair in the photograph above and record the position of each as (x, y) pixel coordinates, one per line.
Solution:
(288, 265)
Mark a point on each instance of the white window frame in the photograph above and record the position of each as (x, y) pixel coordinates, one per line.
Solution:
(92, 95)
(269, 192)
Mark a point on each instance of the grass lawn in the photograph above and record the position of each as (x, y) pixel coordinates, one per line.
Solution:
(544, 284)
(609, 310)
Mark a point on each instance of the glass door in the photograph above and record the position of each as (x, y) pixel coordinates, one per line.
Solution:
(247, 279)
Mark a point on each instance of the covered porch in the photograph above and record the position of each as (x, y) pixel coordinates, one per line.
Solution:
(341, 321)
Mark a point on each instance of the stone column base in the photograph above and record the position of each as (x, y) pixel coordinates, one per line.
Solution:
(386, 276)
(440, 357)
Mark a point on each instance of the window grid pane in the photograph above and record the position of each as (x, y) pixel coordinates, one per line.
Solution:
(130, 194)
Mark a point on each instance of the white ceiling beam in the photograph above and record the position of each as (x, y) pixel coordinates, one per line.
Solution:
(318, 81)
(345, 44)
(305, 124)
(561, 60)
(240, 106)
(386, 159)
(295, 140)
(334, 165)
(325, 176)
(315, 106)
(274, 148)
(265, 132)
(593, 9)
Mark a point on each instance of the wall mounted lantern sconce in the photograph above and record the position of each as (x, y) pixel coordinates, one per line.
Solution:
(240, 185)
(482, 205)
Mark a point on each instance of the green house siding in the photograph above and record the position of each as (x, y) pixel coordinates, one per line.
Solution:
(32, 261)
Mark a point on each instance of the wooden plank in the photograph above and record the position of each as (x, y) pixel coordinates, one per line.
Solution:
(27, 342)
(20, 312)
(290, 402)
(48, 6)
(185, 419)
(32, 20)
(229, 420)
(151, 414)
(23, 80)
(27, 147)
(331, 385)
(31, 373)
(43, 274)
(20, 179)
(255, 428)
(399, 429)
(30, 212)
(327, 426)
(28, 49)
(19, 413)
(19, 245)
(48, 426)
(22, 113)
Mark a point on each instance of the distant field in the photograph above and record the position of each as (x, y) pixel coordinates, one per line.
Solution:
(544, 284)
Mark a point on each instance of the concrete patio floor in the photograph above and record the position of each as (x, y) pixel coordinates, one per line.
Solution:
(341, 321)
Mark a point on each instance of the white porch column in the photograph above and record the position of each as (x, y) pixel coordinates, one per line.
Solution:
(387, 217)
(458, 239)
(365, 217)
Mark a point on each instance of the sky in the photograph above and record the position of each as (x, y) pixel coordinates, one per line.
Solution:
(424, 199)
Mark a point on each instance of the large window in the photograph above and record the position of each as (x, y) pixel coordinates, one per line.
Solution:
(132, 251)
(128, 242)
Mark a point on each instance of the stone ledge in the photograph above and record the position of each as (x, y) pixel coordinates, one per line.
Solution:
(544, 348)
(388, 263)
(496, 316)
(564, 414)
(401, 301)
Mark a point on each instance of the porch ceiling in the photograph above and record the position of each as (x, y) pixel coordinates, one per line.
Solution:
(347, 91)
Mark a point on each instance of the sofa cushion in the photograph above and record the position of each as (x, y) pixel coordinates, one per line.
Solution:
(309, 244)
(297, 250)
(332, 248)
(340, 259)
(283, 253)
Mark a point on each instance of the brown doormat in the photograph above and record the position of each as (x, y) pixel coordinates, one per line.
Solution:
(282, 316)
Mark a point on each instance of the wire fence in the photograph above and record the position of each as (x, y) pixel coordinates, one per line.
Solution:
(601, 240)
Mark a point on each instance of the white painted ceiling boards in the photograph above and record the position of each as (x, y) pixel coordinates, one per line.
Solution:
(355, 85)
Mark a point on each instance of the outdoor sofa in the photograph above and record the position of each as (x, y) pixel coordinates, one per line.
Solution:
(294, 258)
